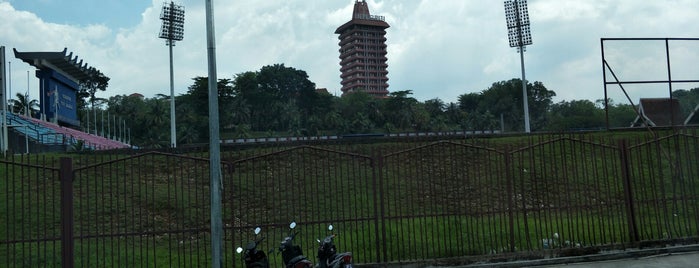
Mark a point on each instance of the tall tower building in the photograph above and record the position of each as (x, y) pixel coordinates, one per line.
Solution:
(363, 52)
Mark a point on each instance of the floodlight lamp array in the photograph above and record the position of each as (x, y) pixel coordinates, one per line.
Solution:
(513, 35)
(173, 23)
(518, 27)
(172, 12)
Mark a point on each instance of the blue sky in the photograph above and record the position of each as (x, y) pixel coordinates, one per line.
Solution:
(113, 14)
(436, 48)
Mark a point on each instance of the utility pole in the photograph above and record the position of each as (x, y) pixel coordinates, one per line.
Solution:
(3, 142)
(216, 183)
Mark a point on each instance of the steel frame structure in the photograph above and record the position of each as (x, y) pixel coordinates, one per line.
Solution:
(621, 83)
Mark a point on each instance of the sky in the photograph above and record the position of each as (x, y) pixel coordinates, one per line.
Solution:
(436, 48)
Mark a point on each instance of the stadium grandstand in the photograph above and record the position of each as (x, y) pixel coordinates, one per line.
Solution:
(56, 127)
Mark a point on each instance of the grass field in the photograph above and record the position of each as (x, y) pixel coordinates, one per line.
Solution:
(389, 201)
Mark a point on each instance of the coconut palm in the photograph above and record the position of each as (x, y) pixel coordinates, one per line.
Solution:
(158, 114)
(24, 105)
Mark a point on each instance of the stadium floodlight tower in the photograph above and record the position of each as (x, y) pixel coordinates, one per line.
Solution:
(172, 30)
(518, 32)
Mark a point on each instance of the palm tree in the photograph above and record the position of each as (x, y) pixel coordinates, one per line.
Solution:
(158, 114)
(23, 105)
(241, 111)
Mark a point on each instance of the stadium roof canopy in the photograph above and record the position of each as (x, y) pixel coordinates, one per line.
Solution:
(60, 62)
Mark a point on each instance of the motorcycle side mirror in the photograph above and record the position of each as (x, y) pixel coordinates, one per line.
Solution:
(239, 250)
(292, 225)
(330, 227)
(258, 230)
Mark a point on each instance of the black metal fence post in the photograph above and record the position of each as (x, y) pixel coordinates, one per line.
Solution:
(67, 244)
(628, 192)
(510, 198)
(377, 168)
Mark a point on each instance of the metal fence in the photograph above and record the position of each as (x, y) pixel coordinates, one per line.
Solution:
(389, 201)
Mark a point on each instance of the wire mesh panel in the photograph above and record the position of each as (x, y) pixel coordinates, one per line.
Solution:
(314, 187)
(444, 199)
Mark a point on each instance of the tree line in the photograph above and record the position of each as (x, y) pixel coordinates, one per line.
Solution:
(281, 101)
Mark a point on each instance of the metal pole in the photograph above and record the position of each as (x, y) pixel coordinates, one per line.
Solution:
(525, 100)
(94, 114)
(214, 145)
(116, 128)
(87, 125)
(102, 121)
(632, 225)
(170, 43)
(67, 212)
(604, 81)
(26, 139)
(26, 109)
(524, 92)
(9, 80)
(669, 83)
(4, 102)
(55, 103)
(173, 133)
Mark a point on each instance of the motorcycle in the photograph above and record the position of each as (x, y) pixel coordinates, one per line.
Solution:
(328, 256)
(292, 255)
(253, 257)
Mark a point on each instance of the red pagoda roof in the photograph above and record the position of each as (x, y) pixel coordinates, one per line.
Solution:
(362, 16)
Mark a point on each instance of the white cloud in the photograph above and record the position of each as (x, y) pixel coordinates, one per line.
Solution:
(438, 49)
(558, 11)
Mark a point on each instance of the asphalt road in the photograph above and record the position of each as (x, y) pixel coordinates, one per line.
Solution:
(680, 260)
(671, 256)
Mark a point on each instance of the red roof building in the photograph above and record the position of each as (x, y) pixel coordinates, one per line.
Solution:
(137, 95)
(363, 52)
(658, 112)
